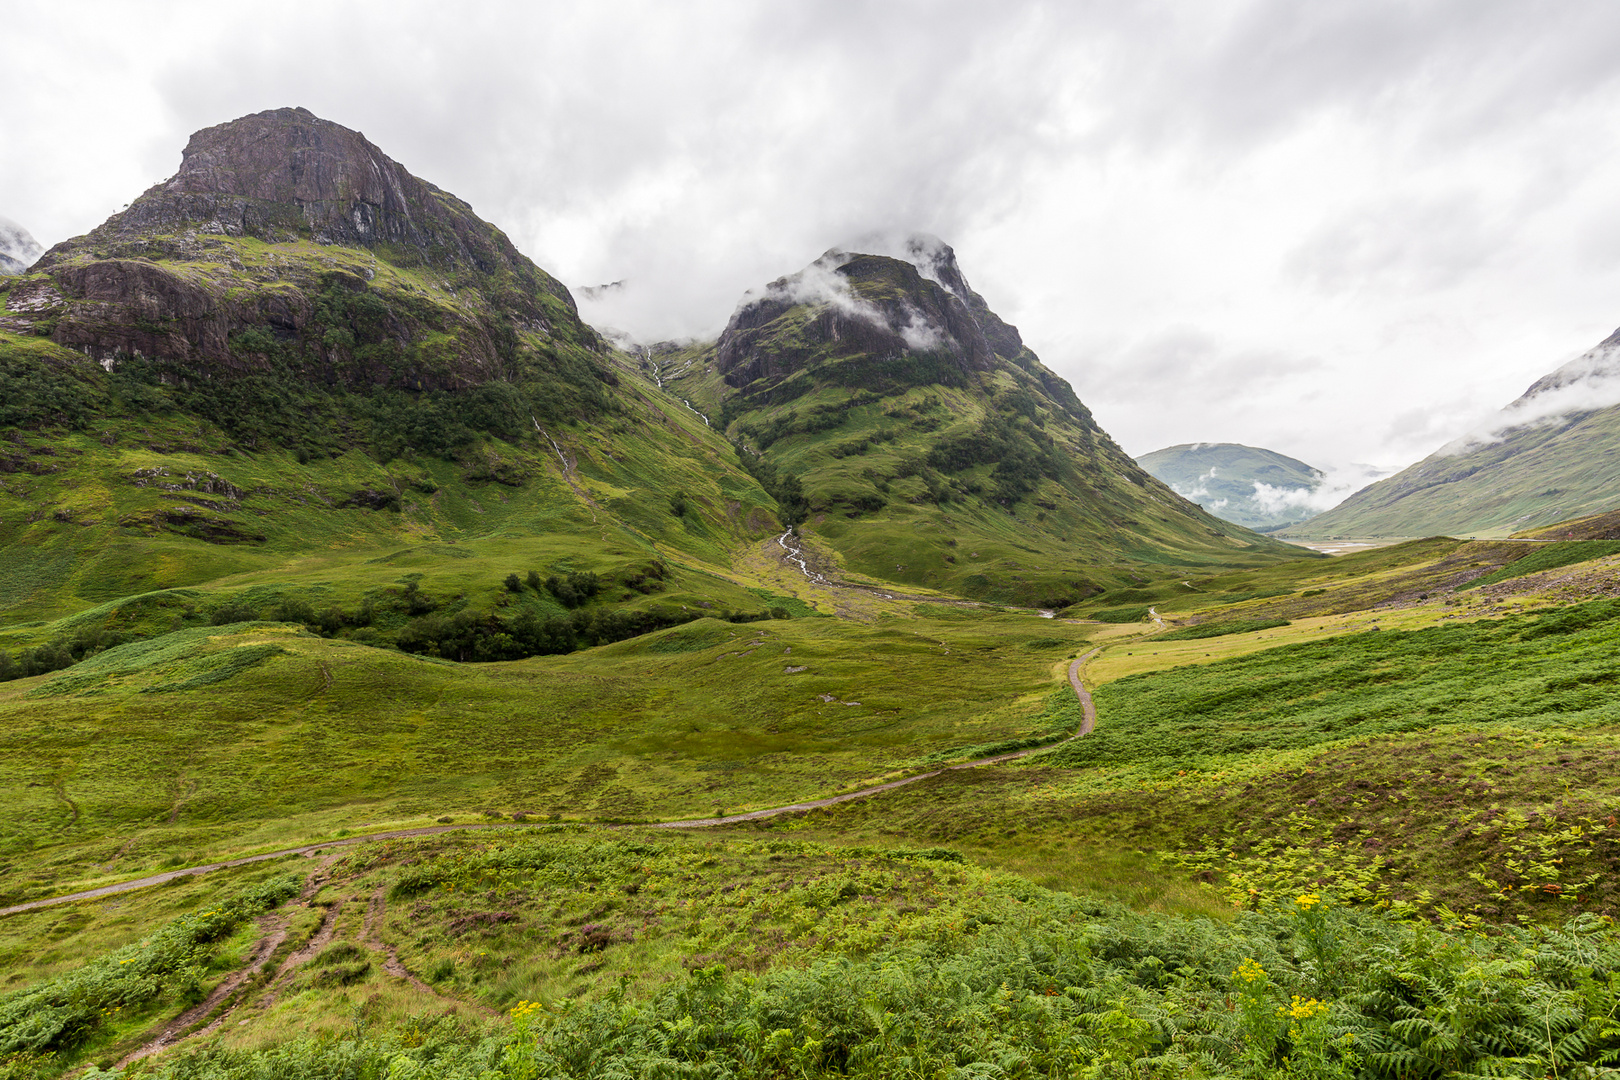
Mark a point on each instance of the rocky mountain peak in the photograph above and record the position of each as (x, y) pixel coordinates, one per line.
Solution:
(286, 174)
(884, 301)
(361, 275)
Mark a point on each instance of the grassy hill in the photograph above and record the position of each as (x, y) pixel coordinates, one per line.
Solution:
(1553, 457)
(1252, 486)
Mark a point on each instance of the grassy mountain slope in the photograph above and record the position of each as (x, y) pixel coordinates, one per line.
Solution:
(408, 547)
(1554, 457)
(930, 446)
(299, 380)
(1222, 477)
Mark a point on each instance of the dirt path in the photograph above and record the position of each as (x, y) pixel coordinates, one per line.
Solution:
(1088, 721)
(273, 928)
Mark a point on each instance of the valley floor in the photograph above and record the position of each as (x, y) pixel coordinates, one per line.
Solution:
(1335, 819)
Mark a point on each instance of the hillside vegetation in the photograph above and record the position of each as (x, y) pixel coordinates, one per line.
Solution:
(1541, 465)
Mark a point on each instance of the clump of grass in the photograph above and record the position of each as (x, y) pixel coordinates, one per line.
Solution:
(1220, 629)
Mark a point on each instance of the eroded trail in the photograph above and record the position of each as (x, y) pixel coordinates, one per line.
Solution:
(1087, 723)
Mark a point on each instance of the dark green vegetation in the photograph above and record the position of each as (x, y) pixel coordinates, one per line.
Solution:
(1526, 475)
(1257, 488)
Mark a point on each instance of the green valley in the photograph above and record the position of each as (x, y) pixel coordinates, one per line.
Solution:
(399, 680)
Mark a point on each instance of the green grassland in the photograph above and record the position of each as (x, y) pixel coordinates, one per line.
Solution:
(890, 509)
(1459, 764)
(218, 739)
(1438, 789)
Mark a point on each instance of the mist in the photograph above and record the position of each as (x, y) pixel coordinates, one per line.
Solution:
(1586, 384)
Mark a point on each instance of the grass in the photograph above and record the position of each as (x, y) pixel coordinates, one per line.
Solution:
(1458, 766)
(1221, 629)
(307, 736)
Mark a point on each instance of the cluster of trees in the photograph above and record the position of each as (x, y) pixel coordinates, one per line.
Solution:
(856, 447)
(64, 652)
(792, 505)
(466, 636)
(1021, 457)
(33, 393)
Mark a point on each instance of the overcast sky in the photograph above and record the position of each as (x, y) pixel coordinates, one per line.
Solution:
(1346, 230)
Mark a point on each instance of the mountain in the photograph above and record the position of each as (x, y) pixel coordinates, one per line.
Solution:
(923, 443)
(18, 248)
(1551, 455)
(1255, 487)
(295, 359)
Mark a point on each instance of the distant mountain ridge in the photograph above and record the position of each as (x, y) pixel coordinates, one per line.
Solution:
(1551, 455)
(1249, 485)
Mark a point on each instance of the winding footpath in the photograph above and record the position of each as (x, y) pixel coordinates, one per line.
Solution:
(1087, 722)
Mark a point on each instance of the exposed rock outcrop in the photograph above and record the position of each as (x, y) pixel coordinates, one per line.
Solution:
(288, 241)
(903, 317)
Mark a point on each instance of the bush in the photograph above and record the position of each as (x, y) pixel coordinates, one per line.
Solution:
(1120, 615)
(574, 588)
(233, 611)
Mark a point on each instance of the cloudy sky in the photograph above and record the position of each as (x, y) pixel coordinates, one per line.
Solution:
(1347, 230)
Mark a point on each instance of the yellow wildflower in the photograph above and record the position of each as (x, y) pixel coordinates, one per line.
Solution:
(1308, 901)
(1299, 1008)
(1249, 971)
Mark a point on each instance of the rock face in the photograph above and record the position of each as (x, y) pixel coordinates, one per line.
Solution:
(908, 318)
(18, 249)
(286, 174)
(289, 241)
